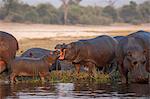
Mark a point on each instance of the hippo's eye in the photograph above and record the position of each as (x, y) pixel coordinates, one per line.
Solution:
(135, 63)
(143, 62)
(129, 53)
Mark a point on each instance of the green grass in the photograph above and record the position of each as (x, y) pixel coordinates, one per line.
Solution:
(68, 77)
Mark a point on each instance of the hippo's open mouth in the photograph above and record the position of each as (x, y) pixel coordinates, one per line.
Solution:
(62, 54)
(2, 66)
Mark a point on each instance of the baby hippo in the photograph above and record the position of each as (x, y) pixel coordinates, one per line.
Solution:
(24, 66)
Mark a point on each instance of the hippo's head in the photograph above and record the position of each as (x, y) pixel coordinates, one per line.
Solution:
(60, 48)
(69, 52)
(2, 65)
(53, 56)
(135, 61)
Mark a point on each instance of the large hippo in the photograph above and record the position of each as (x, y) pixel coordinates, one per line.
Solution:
(98, 51)
(132, 58)
(145, 37)
(8, 48)
(25, 66)
(40, 52)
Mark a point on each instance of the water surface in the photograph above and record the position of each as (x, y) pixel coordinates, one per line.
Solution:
(73, 90)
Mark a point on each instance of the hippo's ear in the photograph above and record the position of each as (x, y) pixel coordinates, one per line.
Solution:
(129, 53)
(63, 44)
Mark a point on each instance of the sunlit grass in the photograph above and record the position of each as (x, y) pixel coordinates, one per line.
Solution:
(67, 77)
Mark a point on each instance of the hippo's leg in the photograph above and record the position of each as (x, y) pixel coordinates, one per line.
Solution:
(148, 59)
(57, 65)
(42, 76)
(124, 74)
(77, 66)
(105, 69)
(12, 77)
(148, 67)
(48, 76)
(149, 78)
(92, 69)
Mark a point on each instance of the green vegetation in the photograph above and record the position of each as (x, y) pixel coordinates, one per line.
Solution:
(68, 76)
(73, 13)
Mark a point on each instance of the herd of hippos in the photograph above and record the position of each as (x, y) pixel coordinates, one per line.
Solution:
(129, 54)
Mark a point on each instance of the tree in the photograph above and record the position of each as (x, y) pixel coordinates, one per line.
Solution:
(31, 16)
(48, 14)
(10, 10)
(65, 7)
(111, 2)
(130, 14)
(74, 13)
(144, 10)
(66, 4)
(111, 12)
(74, 2)
(9, 4)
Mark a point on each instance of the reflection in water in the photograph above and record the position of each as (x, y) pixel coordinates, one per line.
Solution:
(72, 90)
(64, 89)
(4, 91)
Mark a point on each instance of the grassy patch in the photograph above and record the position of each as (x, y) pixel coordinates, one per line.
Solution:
(69, 76)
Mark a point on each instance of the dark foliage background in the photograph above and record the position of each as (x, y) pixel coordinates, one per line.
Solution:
(72, 12)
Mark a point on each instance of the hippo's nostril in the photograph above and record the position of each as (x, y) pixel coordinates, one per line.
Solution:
(143, 62)
(135, 63)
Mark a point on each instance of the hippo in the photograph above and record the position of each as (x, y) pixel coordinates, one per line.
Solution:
(8, 48)
(131, 57)
(25, 66)
(40, 52)
(145, 37)
(98, 52)
(119, 38)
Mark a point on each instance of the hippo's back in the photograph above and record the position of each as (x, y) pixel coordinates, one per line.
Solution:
(40, 52)
(36, 52)
(141, 34)
(119, 38)
(96, 48)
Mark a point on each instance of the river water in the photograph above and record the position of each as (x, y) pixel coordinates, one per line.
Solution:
(73, 90)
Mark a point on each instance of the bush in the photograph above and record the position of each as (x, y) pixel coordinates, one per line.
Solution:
(32, 16)
(110, 12)
(130, 13)
(2, 14)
